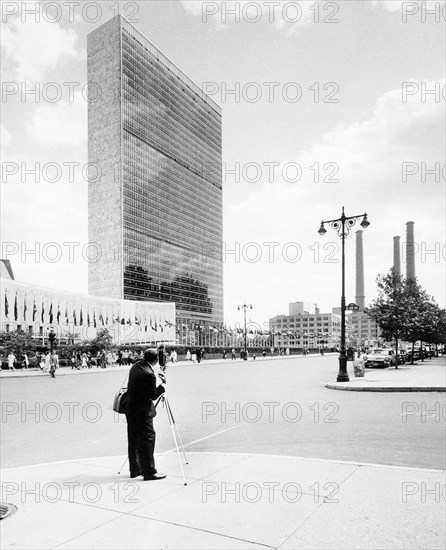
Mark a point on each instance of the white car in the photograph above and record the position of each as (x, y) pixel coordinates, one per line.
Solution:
(381, 358)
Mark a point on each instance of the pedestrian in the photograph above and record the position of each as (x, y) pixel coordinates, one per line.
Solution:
(198, 355)
(73, 360)
(47, 362)
(11, 361)
(174, 356)
(264, 353)
(84, 361)
(233, 354)
(224, 354)
(53, 366)
(140, 411)
(188, 355)
(37, 361)
(25, 361)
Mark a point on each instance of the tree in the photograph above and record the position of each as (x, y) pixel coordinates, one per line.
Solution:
(438, 335)
(393, 308)
(424, 315)
(18, 342)
(103, 340)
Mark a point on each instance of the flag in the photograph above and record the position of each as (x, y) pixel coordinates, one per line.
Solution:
(101, 318)
(15, 308)
(94, 319)
(88, 318)
(6, 306)
(81, 319)
(34, 310)
(43, 310)
(24, 309)
(66, 314)
(51, 312)
(58, 313)
(74, 318)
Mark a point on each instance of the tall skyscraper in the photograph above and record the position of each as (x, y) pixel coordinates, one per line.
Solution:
(155, 191)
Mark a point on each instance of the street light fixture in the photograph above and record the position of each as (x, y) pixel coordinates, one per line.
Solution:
(342, 226)
(245, 307)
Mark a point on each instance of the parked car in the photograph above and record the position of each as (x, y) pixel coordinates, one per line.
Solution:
(381, 358)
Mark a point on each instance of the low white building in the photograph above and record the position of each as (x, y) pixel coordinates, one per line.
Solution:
(301, 329)
(37, 310)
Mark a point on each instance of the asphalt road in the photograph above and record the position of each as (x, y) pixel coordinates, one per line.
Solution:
(266, 406)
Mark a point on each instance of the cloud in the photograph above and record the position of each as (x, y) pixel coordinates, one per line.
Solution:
(31, 48)
(282, 15)
(370, 154)
(5, 136)
(62, 123)
(397, 5)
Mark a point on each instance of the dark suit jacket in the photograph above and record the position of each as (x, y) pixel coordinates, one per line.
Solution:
(142, 390)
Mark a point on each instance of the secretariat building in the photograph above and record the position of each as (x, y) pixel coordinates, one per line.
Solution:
(155, 201)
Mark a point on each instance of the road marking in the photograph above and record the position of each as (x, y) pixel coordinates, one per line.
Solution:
(198, 440)
(120, 457)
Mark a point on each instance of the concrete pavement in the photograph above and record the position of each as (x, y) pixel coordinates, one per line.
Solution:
(231, 500)
(235, 501)
(429, 376)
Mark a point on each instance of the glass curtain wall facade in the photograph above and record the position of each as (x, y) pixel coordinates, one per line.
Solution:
(169, 174)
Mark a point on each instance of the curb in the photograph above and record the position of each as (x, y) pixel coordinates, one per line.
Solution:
(388, 388)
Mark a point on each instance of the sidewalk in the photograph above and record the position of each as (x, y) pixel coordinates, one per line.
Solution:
(63, 371)
(231, 501)
(429, 376)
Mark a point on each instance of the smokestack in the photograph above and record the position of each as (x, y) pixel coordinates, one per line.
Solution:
(396, 256)
(410, 250)
(360, 295)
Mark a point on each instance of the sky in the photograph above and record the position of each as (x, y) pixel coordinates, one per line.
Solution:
(325, 105)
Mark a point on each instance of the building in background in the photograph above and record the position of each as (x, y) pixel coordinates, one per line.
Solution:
(75, 317)
(301, 329)
(155, 207)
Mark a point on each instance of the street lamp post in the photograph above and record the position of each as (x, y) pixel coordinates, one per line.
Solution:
(245, 307)
(342, 226)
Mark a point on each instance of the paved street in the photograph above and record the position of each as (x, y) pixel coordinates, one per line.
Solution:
(277, 406)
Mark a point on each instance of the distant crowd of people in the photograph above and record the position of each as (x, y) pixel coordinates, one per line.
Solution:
(78, 359)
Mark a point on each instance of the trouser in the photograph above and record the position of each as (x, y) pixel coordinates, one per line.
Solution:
(141, 444)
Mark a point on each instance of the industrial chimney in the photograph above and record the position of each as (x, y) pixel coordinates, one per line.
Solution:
(410, 250)
(396, 256)
(360, 295)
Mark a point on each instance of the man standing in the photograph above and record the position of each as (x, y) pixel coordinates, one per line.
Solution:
(11, 361)
(140, 411)
(53, 365)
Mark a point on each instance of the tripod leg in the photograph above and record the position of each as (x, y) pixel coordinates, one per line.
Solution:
(122, 467)
(172, 425)
(177, 431)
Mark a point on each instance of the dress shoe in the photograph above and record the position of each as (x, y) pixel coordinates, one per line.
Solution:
(154, 477)
(135, 474)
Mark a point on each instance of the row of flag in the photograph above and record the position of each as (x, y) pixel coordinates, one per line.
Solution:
(156, 326)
